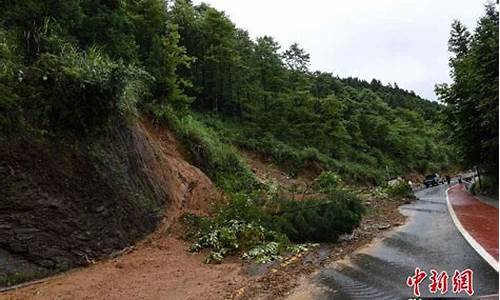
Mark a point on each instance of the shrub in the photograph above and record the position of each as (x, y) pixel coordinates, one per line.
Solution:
(243, 226)
(327, 181)
(237, 226)
(360, 173)
(310, 154)
(10, 110)
(228, 237)
(79, 92)
(220, 161)
(264, 253)
(401, 189)
(319, 220)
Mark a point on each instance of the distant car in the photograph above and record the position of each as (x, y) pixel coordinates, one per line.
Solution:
(431, 180)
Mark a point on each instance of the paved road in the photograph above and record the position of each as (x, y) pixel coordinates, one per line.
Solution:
(429, 240)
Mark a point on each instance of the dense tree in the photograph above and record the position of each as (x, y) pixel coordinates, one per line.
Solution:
(459, 40)
(131, 45)
(472, 98)
(296, 59)
(160, 56)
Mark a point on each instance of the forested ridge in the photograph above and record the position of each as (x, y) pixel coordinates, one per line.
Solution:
(71, 67)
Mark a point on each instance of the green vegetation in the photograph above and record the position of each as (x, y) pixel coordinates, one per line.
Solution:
(472, 98)
(319, 220)
(262, 225)
(72, 68)
(218, 160)
(401, 189)
(268, 100)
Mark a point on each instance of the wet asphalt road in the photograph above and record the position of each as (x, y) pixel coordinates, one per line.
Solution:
(429, 240)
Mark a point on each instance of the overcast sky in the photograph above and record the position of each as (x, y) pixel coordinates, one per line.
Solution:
(403, 41)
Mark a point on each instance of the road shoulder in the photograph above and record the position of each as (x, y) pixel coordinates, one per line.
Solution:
(476, 221)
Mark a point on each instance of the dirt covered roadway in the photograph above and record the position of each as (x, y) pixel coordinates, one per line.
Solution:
(161, 267)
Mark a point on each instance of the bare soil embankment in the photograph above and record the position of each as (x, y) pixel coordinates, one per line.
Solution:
(161, 267)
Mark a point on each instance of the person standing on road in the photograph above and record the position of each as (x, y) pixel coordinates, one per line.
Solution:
(460, 179)
(448, 179)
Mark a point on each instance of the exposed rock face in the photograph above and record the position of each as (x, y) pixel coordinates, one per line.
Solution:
(67, 204)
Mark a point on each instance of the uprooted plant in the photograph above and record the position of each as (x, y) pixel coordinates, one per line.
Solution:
(266, 232)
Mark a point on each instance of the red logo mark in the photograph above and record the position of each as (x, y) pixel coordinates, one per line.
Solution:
(462, 281)
(439, 281)
(414, 281)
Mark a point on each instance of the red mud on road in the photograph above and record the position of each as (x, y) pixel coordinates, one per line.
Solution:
(162, 269)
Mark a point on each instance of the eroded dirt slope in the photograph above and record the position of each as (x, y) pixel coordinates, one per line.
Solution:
(67, 203)
(160, 267)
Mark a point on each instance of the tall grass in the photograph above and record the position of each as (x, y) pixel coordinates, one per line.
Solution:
(220, 161)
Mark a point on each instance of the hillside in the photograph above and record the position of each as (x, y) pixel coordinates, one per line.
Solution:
(121, 117)
(159, 266)
(67, 210)
(265, 98)
(187, 57)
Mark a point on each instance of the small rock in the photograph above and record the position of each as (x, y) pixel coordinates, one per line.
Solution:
(384, 226)
(346, 237)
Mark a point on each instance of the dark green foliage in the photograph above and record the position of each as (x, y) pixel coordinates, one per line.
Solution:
(220, 161)
(238, 226)
(82, 91)
(73, 66)
(320, 220)
(327, 182)
(10, 108)
(472, 98)
(269, 101)
(150, 55)
(242, 225)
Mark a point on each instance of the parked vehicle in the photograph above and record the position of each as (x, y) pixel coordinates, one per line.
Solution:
(431, 180)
